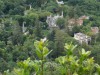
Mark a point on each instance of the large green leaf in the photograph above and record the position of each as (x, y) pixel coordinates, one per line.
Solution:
(39, 54)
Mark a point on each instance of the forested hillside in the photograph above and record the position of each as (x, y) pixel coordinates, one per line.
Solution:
(39, 37)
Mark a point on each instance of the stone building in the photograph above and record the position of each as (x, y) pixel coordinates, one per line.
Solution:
(95, 30)
(51, 20)
(80, 37)
(79, 22)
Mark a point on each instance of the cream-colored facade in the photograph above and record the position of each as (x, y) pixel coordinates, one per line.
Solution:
(80, 37)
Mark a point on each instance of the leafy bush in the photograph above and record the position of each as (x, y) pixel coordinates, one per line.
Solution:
(69, 64)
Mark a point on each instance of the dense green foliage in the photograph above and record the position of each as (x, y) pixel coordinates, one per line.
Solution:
(22, 22)
(69, 64)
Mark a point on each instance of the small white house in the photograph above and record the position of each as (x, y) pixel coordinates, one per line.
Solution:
(82, 38)
(60, 2)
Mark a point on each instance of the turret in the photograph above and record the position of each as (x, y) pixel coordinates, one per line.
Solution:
(23, 27)
(62, 14)
(30, 6)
